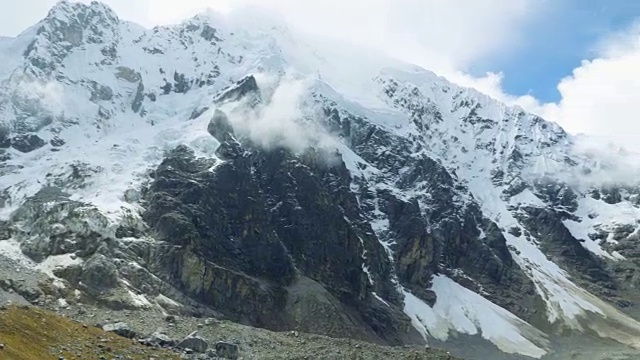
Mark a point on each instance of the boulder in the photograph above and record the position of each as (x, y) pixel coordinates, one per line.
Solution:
(128, 74)
(100, 92)
(159, 339)
(220, 127)
(226, 350)
(229, 150)
(195, 343)
(56, 142)
(99, 274)
(5, 230)
(27, 142)
(120, 328)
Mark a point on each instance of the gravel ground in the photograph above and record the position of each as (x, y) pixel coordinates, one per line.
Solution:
(253, 343)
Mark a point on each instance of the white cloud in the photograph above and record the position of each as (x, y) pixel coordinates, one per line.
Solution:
(438, 34)
(491, 84)
(281, 123)
(600, 97)
(442, 35)
(599, 100)
(445, 36)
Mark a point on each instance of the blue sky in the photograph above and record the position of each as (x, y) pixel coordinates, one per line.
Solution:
(555, 42)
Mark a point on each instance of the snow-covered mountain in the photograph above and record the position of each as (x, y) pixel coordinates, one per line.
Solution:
(229, 165)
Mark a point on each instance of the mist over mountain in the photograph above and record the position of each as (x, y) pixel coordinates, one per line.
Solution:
(227, 166)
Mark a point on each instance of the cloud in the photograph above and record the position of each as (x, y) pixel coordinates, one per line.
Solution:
(30, 104)
(453, 34)
(491, 84)
(598, 104)
(445, 36)
(49, 94)
(600, 97)
(441, 35)
(448, 36)
(284, 120)
(608, 164)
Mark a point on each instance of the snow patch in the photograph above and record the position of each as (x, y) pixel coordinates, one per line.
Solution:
(139, 300)
(54, 262)
(597, 215)
(11, 249)
(459, 310)
(527, 197)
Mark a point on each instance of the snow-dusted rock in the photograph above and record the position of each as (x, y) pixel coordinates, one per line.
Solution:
(234, 167)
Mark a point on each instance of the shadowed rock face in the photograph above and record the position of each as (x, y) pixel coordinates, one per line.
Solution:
(239, 237)
(561, 246)
(219, 127)
(270, 237)
(431, 232)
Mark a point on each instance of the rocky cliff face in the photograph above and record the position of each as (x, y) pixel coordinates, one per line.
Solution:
(224, 166)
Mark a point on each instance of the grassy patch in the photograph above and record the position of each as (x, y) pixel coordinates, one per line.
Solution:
(35, 334)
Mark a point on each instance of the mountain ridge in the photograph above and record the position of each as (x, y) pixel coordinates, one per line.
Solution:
(438, 204)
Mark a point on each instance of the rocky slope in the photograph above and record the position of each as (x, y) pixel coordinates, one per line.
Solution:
(28, 333)
(228, 167)
(31, 333)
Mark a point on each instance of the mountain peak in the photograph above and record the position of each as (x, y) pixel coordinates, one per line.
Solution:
(75, 23)
(249, 19)
(67, 26)
(68, 11)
